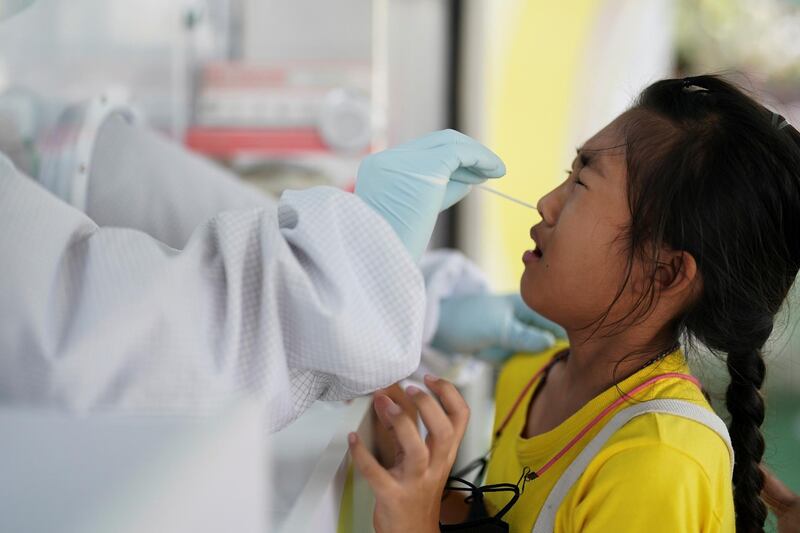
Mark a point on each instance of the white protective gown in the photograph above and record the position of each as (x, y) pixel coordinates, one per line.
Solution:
(153, 301)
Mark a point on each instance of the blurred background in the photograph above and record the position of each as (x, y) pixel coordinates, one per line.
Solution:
(293, 93)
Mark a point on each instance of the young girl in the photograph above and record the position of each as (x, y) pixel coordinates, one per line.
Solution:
(680, 219)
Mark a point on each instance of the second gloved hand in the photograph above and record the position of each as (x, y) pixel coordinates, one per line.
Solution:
(492, 326)
(410, 184)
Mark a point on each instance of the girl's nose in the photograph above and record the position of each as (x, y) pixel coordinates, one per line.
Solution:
(548, 208)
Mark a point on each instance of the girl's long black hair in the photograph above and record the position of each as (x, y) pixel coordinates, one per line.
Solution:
(714, 173)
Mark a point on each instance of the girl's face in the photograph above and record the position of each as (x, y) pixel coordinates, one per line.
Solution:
(581, 251)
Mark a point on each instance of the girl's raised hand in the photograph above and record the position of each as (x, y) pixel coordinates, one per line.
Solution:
(408, 495)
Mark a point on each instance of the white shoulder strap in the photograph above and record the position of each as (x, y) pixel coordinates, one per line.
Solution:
(545, 523)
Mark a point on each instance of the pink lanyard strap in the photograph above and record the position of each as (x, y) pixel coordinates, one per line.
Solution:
(596, 420)
(528, 386)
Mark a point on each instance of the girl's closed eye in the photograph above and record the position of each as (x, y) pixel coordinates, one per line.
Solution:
(576, 179)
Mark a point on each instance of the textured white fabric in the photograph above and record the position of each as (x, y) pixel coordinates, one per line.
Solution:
(139, 179)
(447, 273)
(545, 523)
(312, 297)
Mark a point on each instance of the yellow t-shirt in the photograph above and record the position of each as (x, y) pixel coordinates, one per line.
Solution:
(659, 472)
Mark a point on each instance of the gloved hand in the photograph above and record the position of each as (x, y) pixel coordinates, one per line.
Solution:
(492, 326)
(410, 184)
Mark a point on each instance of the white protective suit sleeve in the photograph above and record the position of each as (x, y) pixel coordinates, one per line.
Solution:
(139, 179)
(447, 273)
(312, 297)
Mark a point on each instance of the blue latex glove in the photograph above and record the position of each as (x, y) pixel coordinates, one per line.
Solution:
(492, 326)
(410, 184)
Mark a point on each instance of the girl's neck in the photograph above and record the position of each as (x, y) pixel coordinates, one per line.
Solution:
(591, 368)
(595, 365)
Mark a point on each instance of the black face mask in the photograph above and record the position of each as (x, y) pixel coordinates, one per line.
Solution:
(478, 519)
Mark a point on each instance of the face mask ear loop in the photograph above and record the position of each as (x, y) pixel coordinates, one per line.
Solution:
(482, 462)
(501, 487)
(472, 489)
(485, 461)
(527, 475)
(484, 465)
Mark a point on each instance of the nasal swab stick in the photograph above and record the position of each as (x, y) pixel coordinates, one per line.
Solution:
(504, 195)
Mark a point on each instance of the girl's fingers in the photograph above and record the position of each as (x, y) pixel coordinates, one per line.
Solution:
(454, 405)
(415, 453)
(381, 403)
(398, 396)
(379, 478)
(441, 433)
(386, 445)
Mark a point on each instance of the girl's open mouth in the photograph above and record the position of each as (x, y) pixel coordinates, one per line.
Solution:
(531, 255)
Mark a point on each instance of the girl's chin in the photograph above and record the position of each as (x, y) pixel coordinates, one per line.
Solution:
(529, 278)
(529, 293)
(536, 296)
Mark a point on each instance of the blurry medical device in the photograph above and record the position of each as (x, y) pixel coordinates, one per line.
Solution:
(293, 94)
(289, 93)
(9, 8)
(103, 473)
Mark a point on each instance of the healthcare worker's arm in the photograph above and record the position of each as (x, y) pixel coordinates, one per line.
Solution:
(139, 179)
(314, 297)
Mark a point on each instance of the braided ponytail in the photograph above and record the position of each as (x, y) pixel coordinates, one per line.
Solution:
(746, 408)
(715, 174)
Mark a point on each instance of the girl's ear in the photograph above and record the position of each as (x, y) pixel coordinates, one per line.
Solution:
(676, 273)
